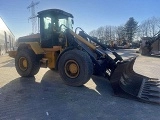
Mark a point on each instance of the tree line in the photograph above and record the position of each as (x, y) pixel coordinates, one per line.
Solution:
(130, 31)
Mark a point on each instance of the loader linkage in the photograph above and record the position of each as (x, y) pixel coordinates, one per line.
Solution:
(124, 81)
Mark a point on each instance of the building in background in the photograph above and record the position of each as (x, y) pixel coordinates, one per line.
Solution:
(7, 39)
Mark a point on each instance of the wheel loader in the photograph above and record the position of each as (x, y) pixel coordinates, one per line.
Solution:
(78, 56)
(150, 45)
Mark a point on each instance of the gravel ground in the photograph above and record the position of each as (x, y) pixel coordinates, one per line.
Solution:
(46, 97)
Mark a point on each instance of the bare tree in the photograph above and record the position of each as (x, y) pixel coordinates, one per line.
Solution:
(154, 25)
(149, 27)
(104, 34)
(100, 32)
(110, 33)
(93, 33)
(120, 33)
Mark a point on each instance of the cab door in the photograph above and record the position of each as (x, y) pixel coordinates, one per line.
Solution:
(48, 31)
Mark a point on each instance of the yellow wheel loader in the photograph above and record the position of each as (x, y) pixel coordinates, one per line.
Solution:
(78, 56)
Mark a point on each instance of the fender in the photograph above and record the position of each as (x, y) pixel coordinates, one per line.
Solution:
(35, 46)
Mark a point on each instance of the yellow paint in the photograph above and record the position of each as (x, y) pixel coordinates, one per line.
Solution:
(83, 40)
(52, 54)
(73, 68)
(52, 57)
(36, 47)
(25, 63)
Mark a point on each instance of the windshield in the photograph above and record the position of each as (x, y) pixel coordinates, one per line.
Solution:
(65, 21)
(47, 22)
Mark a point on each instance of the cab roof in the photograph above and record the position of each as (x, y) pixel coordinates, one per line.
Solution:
(54, 11)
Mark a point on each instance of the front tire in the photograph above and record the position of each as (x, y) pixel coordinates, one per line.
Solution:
(75, 67)
(27, 63)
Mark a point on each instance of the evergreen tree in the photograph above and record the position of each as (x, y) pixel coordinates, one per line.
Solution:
(131, 28)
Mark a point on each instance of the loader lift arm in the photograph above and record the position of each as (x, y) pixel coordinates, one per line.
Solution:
(125, 82)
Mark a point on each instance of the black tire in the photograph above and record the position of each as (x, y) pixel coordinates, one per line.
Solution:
(82, 67)
(96, 71)
(27, 63)
(53, 69)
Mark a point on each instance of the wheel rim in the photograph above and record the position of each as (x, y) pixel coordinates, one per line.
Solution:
(72, 69)
(23, 64)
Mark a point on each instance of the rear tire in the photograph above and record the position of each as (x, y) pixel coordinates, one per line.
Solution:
(53, 69)
(27, 63)
(75, 67)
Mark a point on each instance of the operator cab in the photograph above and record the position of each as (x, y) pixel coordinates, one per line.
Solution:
(51, 26)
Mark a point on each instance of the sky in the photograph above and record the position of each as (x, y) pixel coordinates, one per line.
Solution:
(88, 14)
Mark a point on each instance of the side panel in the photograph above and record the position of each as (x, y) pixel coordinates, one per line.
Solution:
(155, 47)
(52, 57)
(36, 47)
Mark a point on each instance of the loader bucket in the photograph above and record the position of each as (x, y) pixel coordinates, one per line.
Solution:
(126, 83)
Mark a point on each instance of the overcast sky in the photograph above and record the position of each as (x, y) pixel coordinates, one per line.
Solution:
(88, 14)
